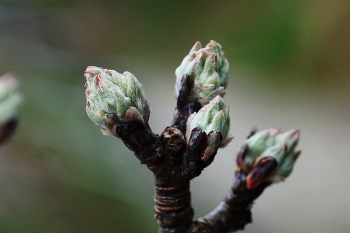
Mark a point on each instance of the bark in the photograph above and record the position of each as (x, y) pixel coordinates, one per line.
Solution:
(174, 161)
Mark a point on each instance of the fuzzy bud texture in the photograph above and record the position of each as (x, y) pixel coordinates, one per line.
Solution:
(109, 92)
(10, 98)
(207, 68)
(272, 143)
(213, 116)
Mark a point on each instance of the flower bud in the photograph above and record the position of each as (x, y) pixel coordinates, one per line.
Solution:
(268, 155)
(213, 116)
(10, 101)
(109, 92)
(207, 130)
(208, 70)
(212, 121)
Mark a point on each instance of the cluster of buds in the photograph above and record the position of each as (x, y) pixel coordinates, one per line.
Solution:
(203, 73)
(268, 156)
(117, 103)
(208, 71)
(10, 100)
(201, 78)
(111, 93)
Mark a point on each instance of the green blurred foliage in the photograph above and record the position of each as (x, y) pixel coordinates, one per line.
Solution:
(59, 174)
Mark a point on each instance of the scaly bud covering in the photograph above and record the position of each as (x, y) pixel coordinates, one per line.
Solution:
(268, 155)
(109, 92)
(213, 116)
(208, 70)
(10, 101)
(206, 131)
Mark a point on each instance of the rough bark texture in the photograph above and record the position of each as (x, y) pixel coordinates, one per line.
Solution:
(166, 157)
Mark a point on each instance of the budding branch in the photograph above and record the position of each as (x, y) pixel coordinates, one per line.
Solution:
(117, 103)
(165, 156)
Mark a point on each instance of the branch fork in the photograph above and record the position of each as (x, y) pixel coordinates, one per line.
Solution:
(117, 103)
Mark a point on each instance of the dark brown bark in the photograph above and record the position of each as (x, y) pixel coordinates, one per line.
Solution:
(166, 157)
(233, 213)
(174, 161)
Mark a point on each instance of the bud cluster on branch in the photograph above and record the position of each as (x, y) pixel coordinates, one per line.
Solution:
(200, 126)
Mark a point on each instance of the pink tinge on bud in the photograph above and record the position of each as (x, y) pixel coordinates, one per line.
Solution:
(100, 113)
(97, 80)
(196, 46)
(213, 42)
(294, 132)
(8, 80)
(202, 54)
(91, 71)
(88, 72)
(274, 131)
(127, 73)
(213, 57)
(206, 87)
(192, 55)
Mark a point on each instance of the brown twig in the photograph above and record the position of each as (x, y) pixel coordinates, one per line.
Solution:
(174, 162)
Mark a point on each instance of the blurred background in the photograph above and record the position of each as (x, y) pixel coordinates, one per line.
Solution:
(290, 66)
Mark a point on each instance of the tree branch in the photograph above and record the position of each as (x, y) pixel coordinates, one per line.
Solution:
(233, 213)
(200, 126)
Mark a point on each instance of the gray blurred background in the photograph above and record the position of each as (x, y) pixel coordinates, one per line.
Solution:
(290, 66)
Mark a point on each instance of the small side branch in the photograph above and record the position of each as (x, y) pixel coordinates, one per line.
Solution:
(117, 103)
(233, 213)
(137, 137)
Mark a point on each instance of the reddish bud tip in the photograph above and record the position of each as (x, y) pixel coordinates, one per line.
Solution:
(261, 171)
(97, 80)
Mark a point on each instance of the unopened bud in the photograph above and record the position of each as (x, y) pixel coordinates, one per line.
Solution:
(208, 70)
(109, 92)
(213, 116)
(268, 155)
(208, 128)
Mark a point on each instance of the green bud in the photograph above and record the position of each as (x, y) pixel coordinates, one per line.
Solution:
(213, 116)
(207, 68)
(109, 92)
(261, 141)
(10, 98)
(271, 143)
